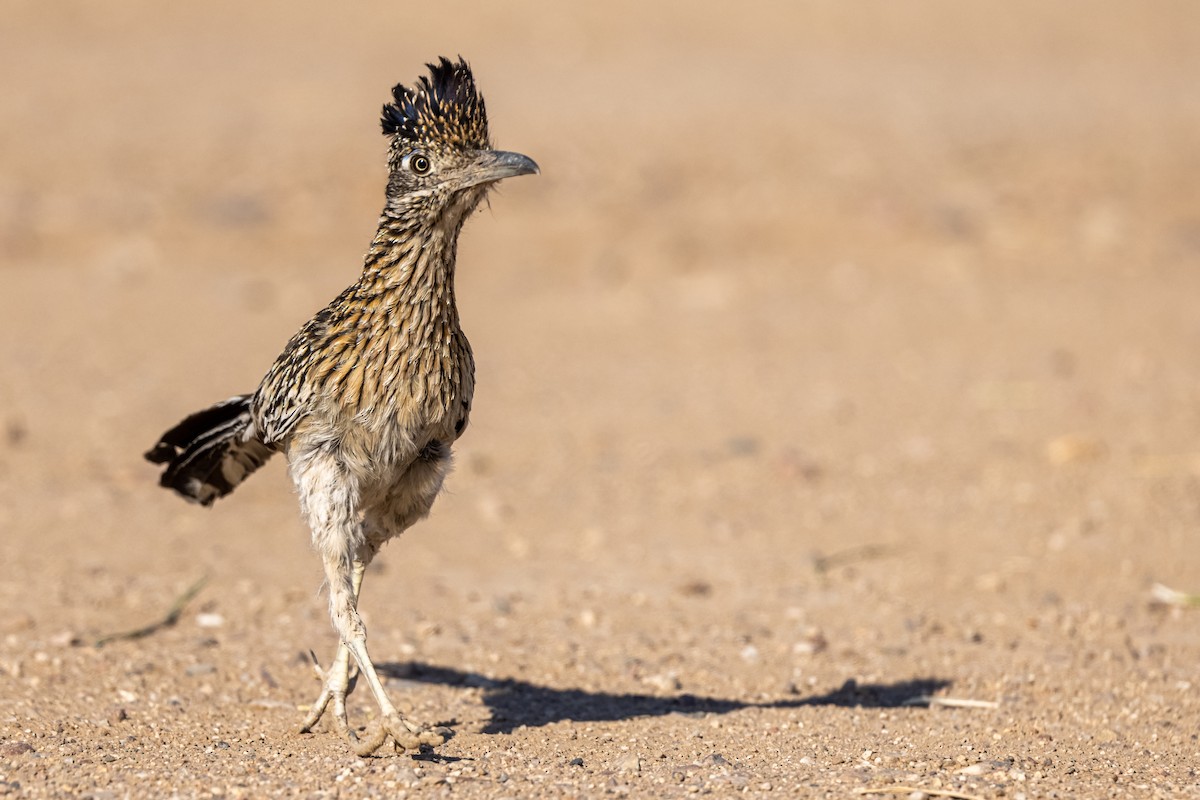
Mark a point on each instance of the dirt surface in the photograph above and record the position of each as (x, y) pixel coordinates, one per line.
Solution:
(841, 357)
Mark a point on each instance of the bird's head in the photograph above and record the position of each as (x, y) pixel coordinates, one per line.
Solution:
(441, 159)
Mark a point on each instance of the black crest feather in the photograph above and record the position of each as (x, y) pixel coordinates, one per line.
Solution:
(443, 107)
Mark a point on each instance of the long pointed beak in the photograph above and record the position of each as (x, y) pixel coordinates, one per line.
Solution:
(496, 165)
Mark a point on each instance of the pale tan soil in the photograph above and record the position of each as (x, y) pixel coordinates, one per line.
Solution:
(840, 355)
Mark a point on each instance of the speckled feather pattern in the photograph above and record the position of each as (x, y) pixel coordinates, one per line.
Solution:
(369, 395)
(384, 369)
(387, 353)
(444, 106)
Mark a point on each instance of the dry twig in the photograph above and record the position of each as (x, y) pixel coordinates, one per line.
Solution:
(911, 789)
(850, 555)
(167, 621)
(949, 702)
(1173, 597)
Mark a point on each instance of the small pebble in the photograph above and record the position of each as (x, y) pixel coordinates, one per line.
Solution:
(64, 639)
(664, 682)
(629, 764)
(1074, 448)
(15, 748)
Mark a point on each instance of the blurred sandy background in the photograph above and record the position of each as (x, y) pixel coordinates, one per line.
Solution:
(843, 353)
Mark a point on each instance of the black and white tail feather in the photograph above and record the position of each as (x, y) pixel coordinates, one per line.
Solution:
(211, 452)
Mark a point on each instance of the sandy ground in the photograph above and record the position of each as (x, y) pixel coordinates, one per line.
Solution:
(841, 356)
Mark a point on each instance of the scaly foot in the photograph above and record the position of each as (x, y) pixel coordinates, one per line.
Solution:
(336, 685)
(405, 735)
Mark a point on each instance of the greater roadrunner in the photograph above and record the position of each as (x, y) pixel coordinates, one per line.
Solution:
(367, 398)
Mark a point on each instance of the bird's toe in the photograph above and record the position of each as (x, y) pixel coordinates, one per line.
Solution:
(331, 693)
(404, 735)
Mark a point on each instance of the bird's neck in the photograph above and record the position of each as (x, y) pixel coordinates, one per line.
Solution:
(409, 323)
(410, 265)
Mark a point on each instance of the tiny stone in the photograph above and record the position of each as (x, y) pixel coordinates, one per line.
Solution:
(202, 668)
(664, 682)
(575, 762)
(742, 445)
(64, 639)
(407, 776)
(696, 588)
(476, 681)
(15, 748)
(1074, 448)
(814, 641)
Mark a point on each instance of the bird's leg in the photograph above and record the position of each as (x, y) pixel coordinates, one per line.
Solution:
(337, 677)
(336, 686)
(392, 724)
(406, 735)
(330, 501)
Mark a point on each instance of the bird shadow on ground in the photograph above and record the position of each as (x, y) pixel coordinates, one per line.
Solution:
(515, 703)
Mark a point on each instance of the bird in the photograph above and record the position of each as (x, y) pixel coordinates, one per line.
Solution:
(367, 399)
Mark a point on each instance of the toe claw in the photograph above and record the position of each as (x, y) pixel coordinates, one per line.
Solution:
(435, 736)
(316, 665)
(404, 735)
(336, 680)
(316, 712)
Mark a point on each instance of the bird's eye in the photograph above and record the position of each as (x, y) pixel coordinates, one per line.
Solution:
(419, 164)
